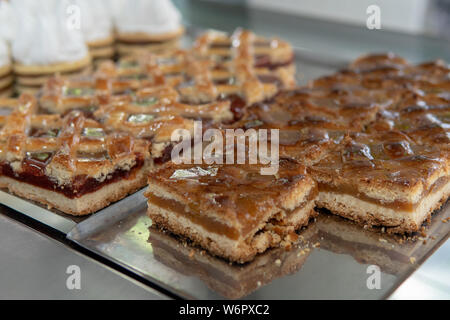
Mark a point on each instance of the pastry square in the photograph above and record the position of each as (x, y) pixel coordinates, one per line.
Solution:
(245, 66)
(61, 95)
(232, 210)
(154, 114)
(383, 179)
(425, 119)
(308, 128)
(69, 163)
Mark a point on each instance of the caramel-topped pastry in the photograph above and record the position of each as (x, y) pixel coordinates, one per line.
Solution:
(70, 163)
(425, 119)
(378, 61)
(311, 122)
(232, 210)
(383, 179)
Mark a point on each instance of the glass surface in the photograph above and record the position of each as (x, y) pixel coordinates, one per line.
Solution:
(322, 37)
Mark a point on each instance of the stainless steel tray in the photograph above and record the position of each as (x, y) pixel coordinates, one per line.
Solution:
(54, 218)
(331, 261)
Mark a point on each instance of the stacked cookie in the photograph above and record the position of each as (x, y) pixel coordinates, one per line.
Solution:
(146, 25)
(6, 76)
(45, 45)
(97, 28)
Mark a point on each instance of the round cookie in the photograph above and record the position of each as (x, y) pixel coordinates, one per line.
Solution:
(6, 81)
(129, 49)
(4, 70)
(38, 80)
(21, 69)
(7, 92)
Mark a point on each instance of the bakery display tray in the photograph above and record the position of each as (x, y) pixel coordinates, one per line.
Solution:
(334, 259)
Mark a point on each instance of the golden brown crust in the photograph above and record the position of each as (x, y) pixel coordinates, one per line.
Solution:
(84, 205)
(39, 80)
(4, 70)
(6, 81)
(7, 92)
(25, 70)
(102, 53)
(126, 49)
(106, 42)
(64, 148)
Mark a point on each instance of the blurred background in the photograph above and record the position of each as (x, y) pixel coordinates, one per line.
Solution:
(416, 29)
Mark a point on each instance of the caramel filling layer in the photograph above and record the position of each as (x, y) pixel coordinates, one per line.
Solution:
(396, 205)
(208, 223)
(211, 224)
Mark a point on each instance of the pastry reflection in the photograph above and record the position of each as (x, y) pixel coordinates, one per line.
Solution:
(392, 253)
(232, 281)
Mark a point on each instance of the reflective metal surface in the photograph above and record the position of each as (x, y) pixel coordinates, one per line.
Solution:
(33, 266)
(52, 217)
(330, 262)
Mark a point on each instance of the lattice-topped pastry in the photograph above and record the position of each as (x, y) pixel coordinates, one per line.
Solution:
(70, 163)
(232, 210)
(389, 79)
(425, 119)
(265, 53)
(383, 179)
(155, 114)
(252, 68)
(310, 121)
(243, 64)
(84, 94)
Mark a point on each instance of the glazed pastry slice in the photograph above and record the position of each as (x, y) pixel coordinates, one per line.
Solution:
(233, 211)
(69, 163)
(383, 179)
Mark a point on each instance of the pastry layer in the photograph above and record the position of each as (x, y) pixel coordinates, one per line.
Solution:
(238, 250)
(397, 220)
(21, 69)
(86, 204)
(5, 70)
(127, 48)
(80, 186)
(6, 81)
